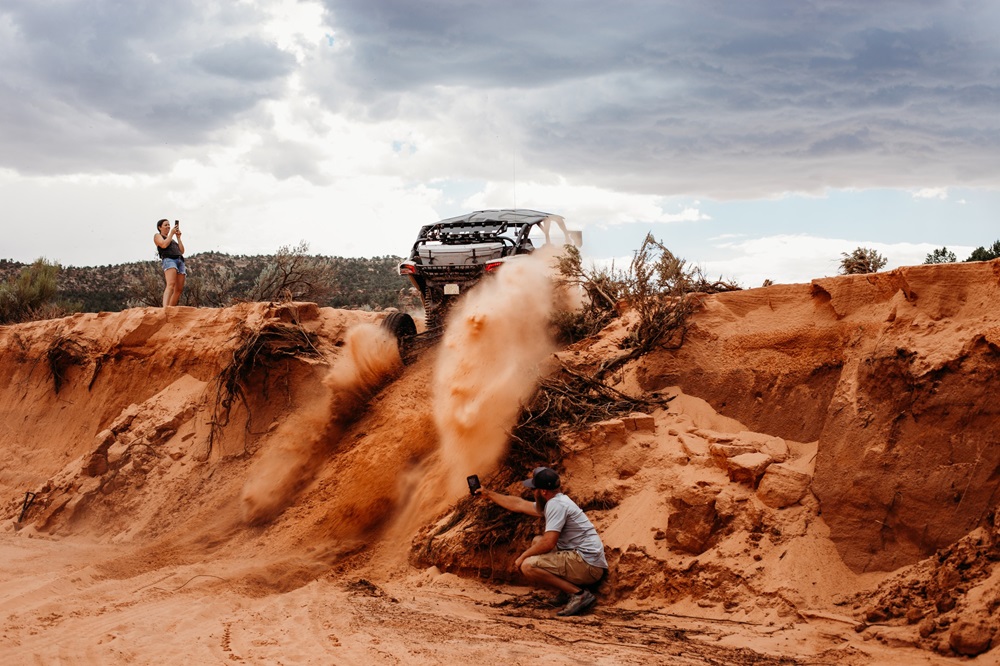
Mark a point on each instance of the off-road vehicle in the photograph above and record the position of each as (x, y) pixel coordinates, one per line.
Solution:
(449, 257)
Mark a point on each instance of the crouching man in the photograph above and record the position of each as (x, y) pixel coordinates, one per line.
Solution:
(570, 554)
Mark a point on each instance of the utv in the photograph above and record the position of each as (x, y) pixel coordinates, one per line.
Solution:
(449, 257)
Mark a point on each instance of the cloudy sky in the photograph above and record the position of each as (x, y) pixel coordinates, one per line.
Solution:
(756, 138)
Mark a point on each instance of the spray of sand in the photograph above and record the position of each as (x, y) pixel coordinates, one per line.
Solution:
(489, 365)
(368, 359)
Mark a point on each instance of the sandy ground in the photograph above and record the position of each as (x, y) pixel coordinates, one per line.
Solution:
(59, 605)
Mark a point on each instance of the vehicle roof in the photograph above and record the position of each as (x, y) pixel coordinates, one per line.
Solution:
(516, 216)
(509, 215)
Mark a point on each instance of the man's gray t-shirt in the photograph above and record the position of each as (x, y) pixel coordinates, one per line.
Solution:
(576, 532)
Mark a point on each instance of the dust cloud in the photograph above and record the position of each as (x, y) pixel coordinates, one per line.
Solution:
(367, 360)
(488, 365)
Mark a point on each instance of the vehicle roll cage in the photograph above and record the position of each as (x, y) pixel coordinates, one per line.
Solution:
(487, 226)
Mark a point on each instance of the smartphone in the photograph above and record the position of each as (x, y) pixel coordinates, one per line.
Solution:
(474, 484)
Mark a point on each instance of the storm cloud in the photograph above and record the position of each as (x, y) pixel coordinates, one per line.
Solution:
(725, 99)
(719, 98)
(275, 117)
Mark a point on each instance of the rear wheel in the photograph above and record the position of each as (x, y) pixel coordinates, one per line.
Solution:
(400, 325)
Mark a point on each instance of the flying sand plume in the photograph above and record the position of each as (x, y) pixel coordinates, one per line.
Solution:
(368, 357)
(489, 364)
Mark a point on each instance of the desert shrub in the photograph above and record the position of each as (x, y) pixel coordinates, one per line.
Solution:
(942, 255)
(861, 260)
(656, 286)
(31, 294)
(213, 286)
(293, 275)
(144, 286)
(601, 289)
(658, 293)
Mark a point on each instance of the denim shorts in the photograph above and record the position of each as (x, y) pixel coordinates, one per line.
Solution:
(178, 263)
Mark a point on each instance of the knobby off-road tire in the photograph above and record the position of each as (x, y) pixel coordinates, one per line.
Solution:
(400, 324)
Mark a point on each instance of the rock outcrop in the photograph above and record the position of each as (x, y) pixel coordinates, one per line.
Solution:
(893, 374)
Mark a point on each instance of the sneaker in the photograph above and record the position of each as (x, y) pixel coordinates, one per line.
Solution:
(578, 603)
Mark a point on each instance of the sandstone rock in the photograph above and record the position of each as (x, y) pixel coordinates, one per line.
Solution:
(690, 526)
(927, 627)
(782, 486)
(698, 494)
(161, 436)
(775, 447)
(723, 451)
(124, 420)
(693, 446)
(715, 436)
(727, 504)
(610, 431)
(116, 451)
(639, 421)
(96, 465)
(104, 439)
(747, 467)
(627, 462)
(971, 637)
(695, 517)
(294, 312)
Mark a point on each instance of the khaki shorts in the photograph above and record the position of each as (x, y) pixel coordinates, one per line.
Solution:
(567, 564)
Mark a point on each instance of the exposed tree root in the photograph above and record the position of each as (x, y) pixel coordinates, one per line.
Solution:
(256, 348)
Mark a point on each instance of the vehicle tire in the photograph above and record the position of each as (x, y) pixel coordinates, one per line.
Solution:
(400, 325)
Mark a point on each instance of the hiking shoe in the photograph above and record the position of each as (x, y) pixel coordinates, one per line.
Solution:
(578, 603)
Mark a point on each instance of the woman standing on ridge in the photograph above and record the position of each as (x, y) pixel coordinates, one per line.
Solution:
(171, 249)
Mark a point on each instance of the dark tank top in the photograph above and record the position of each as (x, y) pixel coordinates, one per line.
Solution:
(172, 251)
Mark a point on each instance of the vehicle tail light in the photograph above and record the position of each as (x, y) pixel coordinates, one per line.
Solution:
(407, 268)
(492, 265)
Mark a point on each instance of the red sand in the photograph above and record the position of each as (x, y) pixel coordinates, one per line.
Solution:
(166, 530)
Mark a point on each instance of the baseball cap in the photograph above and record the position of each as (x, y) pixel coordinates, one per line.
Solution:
(543, 478)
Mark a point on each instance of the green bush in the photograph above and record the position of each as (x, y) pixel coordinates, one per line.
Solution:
(983, 254)
(31, 295)
(941, 255)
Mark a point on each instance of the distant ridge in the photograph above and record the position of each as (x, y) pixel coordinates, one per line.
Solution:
(357, 282)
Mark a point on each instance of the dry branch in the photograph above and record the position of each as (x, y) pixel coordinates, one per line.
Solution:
(256, 348)
(63, 353)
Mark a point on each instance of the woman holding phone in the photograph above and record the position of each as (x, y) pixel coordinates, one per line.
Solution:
(171, 250)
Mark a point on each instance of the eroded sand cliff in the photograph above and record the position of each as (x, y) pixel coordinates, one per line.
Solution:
(268, 483)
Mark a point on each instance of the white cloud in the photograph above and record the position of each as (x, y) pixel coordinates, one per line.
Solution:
(585, 205)
(931, 193)
(802, 258)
